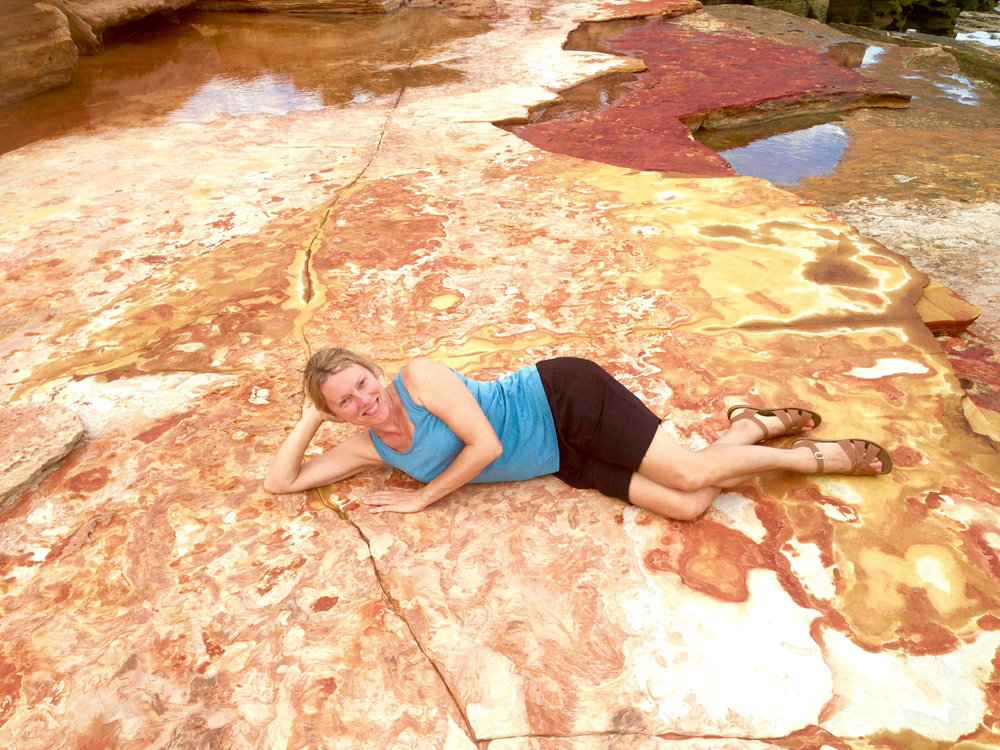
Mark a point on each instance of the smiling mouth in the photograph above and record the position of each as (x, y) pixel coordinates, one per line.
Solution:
(374, 408)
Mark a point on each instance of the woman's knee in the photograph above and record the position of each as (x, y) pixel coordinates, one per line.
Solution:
(692, 476)
(668, 502)
(679, 468)
(696, 505)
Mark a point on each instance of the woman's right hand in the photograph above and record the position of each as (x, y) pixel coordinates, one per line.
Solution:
(311, 413)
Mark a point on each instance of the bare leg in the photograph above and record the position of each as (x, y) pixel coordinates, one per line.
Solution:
(646, 492)
(681, 483)
(667, 502)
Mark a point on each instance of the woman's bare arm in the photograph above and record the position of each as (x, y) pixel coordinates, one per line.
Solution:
(288, 473)
(439, 390)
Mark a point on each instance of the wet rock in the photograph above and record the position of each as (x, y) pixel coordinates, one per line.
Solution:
(685, 89)
(37, 52)
(36, 437)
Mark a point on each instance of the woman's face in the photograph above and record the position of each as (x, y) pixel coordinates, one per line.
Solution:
(355, 395)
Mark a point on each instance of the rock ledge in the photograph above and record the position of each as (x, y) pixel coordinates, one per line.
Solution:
(37, 436)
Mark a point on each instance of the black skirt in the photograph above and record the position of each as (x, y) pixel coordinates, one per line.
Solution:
(602, 428)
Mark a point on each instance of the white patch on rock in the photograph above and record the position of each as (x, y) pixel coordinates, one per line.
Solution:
(889, 366)
(939, 696)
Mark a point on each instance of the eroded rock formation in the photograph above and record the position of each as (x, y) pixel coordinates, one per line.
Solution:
(37, 52)
(101, 15)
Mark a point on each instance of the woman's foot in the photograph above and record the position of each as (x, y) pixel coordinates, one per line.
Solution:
(854, 457)
(763, 424)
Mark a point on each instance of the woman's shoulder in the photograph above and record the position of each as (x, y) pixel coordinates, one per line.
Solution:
(425, 378)
(422, 369)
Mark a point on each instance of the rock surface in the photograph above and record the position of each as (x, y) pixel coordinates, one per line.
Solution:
(902, 180)
(685, 89)
(976, 21)
(103, 14)
(816, 9)
(155, 596)
(37, 52)
(302, 6)
(36, 437)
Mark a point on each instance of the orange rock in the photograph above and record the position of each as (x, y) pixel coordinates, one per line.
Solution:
(36, 50)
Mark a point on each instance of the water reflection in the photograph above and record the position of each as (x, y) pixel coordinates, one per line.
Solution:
(204, 65)
(872, 56)
(989, 38)
(786, 158)
(955, 86)
(265, 94)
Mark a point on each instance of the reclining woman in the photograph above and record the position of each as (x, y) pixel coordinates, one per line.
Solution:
(563, 416)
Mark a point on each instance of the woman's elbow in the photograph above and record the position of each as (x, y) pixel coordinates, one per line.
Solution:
(275, 487)
(495, 450)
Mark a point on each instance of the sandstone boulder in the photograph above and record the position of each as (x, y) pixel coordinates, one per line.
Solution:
(303, 6)
(103, 14)
(37, 52)
(36, 437)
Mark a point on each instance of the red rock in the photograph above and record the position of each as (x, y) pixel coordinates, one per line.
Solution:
(703, 73)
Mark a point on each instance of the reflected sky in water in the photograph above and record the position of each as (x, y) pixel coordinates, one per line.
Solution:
(955, 86)
(872, 55)
(196, 66)
(786, 158)
(265, 94)
(989, 38)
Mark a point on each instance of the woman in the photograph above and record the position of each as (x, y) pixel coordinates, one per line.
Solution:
(565, 416)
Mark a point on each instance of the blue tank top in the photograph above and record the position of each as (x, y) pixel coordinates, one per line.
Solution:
(519, 412)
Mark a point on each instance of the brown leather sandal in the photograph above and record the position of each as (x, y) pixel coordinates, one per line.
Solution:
(792, 425)
(859, 452)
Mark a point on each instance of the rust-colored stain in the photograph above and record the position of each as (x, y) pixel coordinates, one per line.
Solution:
(702, 73)
(977, 367)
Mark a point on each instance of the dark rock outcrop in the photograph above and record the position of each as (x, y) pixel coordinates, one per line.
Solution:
(924, 15)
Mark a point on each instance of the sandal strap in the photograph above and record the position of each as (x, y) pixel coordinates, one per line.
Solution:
(859, 452)
(786, 419)
(784, 415)
(813, 446)
(818, 455)
(752, 416)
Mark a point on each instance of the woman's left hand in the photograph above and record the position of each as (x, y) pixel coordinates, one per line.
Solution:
(397, 501)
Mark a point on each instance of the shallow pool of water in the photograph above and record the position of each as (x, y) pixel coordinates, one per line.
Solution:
(954, 86)
(786, 158)
(989, 38)
(206, 65)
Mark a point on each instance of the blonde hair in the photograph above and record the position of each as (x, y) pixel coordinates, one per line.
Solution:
(327, 362)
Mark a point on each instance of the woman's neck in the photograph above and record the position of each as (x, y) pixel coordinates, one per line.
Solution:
(397, 432)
